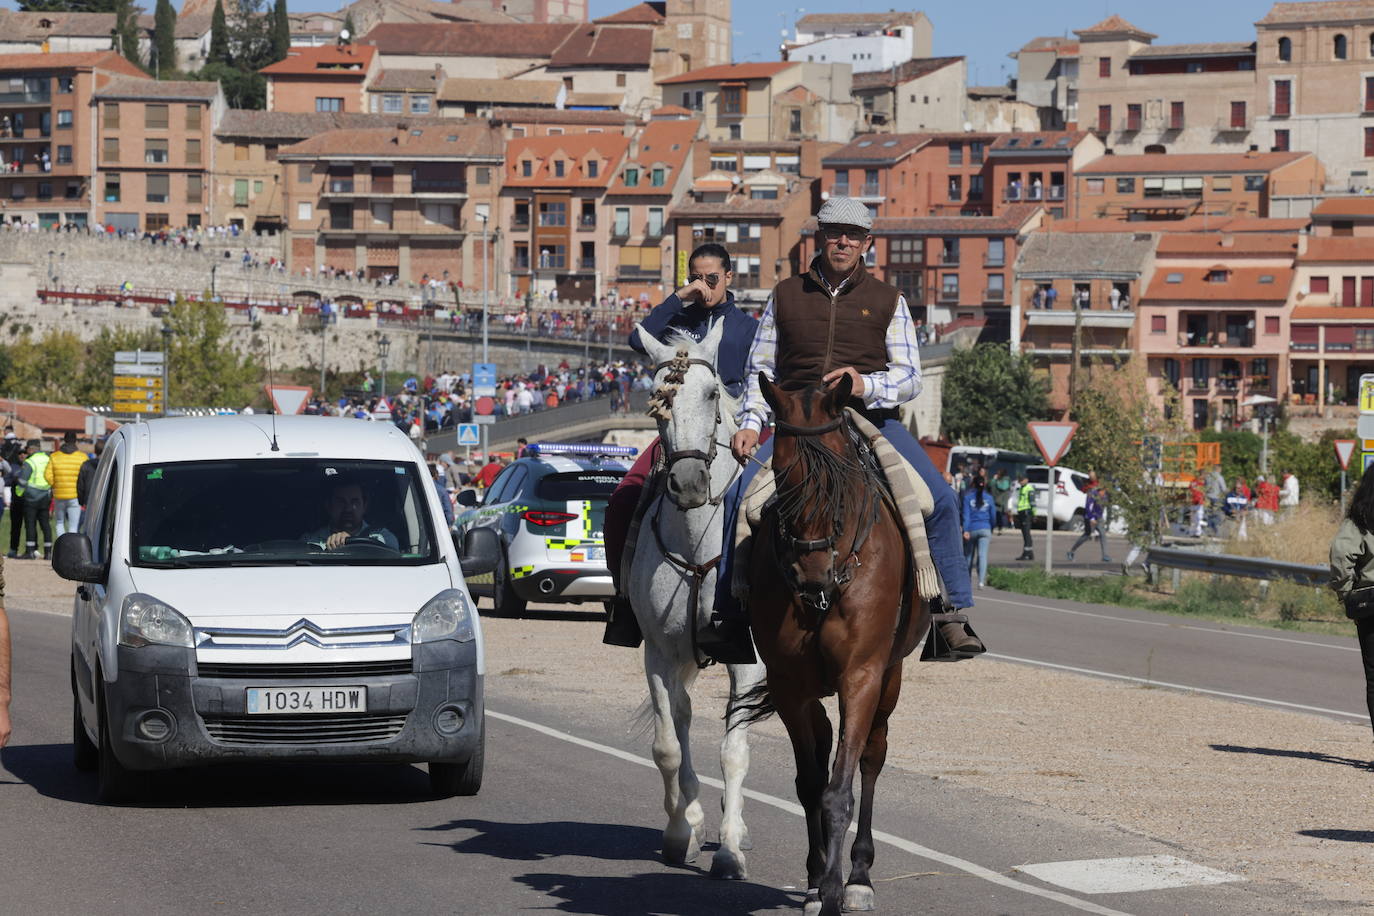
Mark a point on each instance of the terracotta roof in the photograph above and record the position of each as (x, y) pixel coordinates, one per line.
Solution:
(445, 139)
(606, 46)
(1330, 313)
(730, 72)
(470, 39)
(347, 61)
(1085, 254)
(560, 116)
(1211, 49)
(991, 92)
(1244, 284)
(426, 11)
(877, 148)
(20, 25)
(396, 80)
(640, 13)
(1330, 11)
(573, 150)
(595, 100)
(715, 181)
(1038, 142)
(736, 205)
(54, 417)
(128, 87)
(285, 126)
(193, 25)
(74, 60)
(1010, 221)
(1345, 206)
(859, 20)
(665, 143)
(1113, 25)
(1330, 249)
(500, 92)
(670, 111)
(1221, 244)
(1062, 46)
(1169, 163)
(904, 73)
(1267, 224)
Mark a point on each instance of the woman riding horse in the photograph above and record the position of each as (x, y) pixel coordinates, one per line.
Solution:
(693, 310)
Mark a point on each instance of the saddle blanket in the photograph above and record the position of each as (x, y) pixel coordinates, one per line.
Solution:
(910, 493)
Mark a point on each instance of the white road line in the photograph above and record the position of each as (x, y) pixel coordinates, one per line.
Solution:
(1188, 688)
(1174, 626)
(970, 868)
(1130, 874)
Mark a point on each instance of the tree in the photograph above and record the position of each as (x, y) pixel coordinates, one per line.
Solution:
(204, 369)
(989, 395)
(164, 39)
(250, 36)
(219, 36)
(281, 31)
(349, 27)
(241, 90)
(46, 370)
(125, 37)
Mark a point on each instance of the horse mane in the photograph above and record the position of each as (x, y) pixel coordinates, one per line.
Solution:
(687, 347)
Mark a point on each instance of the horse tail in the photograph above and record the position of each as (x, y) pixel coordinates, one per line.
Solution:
(754, 705)
(642, 721)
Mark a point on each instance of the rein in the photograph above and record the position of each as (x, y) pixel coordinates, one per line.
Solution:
(661, 409)
(695, 574)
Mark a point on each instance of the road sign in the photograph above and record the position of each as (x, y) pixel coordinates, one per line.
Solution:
(1152, 452)
(288, 399)
(468, 434)
(1053, 439)
(484, 406)
(138, 381)
(1344, 449)
(484, 419)
(149, 357)
(484, 379)
(137, 407)
(382, 411)
(137, 394)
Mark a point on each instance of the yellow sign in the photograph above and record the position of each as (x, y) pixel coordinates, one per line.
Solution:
(1367, 393)
(137, 407)
(681, 269)
(137, 381)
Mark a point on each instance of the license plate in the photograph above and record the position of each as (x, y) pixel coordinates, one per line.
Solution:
(278, 701)
(596, 553)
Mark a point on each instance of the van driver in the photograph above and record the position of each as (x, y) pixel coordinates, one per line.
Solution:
(347, 510)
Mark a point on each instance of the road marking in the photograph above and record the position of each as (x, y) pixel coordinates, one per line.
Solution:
(1176, 626)
(1187, 688)
(970, 868)
(1127, 875)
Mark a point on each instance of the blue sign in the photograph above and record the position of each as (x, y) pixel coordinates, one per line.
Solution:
(484, 380)
(468, 434)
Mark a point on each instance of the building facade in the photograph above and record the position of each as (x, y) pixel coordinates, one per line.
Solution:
(1331, 335)
(325, 79)
(746, 101)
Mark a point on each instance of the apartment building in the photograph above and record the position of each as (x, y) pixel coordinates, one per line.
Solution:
(925, 94)
(757, 102)
(1331, 333)
(1214, 322)
(739, 158)
(1178, 185)
(1097, 279)
(414, 93)
(325, 79)
(553, 122)
(554, 187)
(47, 133)
(604, 65)
(1038, 167)
(1047, 77)
(467, 49)
(1344, 216)
(865, 41)
(656, 171)
(406, 200)
(156, 152)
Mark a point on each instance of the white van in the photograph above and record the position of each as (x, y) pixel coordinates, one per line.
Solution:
(271, 589)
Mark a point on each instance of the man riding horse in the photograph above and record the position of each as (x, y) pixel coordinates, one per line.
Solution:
(837, 320)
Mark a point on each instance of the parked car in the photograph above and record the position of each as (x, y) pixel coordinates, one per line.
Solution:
(549, 512)
(260, 588)
(1070, 495)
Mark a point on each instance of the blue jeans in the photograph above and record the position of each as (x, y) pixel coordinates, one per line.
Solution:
(942, 526)
(67, 515)
(976, 552)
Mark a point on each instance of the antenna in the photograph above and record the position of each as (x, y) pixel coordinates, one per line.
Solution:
(271, 383)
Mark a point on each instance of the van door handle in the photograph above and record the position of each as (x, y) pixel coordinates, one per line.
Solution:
(83, 593)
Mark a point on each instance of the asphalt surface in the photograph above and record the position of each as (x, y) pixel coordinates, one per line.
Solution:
(569, 817)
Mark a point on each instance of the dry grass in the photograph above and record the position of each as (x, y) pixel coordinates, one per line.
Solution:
(1302, 535)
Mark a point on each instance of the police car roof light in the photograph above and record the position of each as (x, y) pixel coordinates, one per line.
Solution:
(582, 448)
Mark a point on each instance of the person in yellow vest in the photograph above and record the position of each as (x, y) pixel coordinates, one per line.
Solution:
(64, 467)
(1025, 514)
(35, 495)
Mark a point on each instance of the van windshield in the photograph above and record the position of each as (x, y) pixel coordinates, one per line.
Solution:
(287, 511)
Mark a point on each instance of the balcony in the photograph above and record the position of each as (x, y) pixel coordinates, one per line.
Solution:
(339, 186)
(949, 296)
(586, 263)
(635, 271)
(1198, 385)
(447, 186)
(1216, 340)
(520, 265)
(26, 97)
(1093, 318)
(520, 223)
(870, 190)
(586, 222)
(652, 231)
(839, 189)
(1234, 125)
(1056, 192)
(995, 262)
(995, 296)
(552, 221)
(620, 231)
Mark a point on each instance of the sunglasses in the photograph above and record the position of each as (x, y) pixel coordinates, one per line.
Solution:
(711, 279)
(849, 232)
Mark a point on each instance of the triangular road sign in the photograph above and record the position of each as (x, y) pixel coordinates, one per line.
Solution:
(383, 409)
(288, 399)
(1344, 449)
(1053, 439)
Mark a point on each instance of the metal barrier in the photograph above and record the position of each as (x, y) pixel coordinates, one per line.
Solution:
(548, 424)
(1225, 564)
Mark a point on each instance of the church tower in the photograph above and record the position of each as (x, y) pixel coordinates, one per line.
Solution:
(695, 34)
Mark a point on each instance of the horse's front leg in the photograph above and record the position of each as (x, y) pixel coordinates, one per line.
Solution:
(728, 862)
(809, 729)
(682, 837)
(859, 690)
(858, 891)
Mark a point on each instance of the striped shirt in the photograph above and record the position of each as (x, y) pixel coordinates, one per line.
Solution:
(898, 383)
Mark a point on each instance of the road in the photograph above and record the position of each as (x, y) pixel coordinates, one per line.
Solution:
(566, 820)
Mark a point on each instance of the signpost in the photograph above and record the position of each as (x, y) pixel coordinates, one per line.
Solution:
(484, 399)
(1365, 425)
(138, 382)
(288, 399)
(1053, 441)
(1344, 449)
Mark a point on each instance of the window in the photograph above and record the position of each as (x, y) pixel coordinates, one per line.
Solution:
(155, 150)
(1170, 371)
(1283, 98)
(155, 222)
(257, 187)
(193, 117)
(1369, 141)
(975, 152)
(305, 173)
(45, 190)
(621, 227)
(328, 104)
(1158, 324)
(1368, 93)
(1281, 141)
(558, 169)
(956, 154)
(1135, 116)
(997, 253)
(1104, 118)
(64, 155)
(906, 251)
(955, 188)
(1221, 183)
(911, 283)
(421, 104)
(794, 121)
(1320, 284)
(193, 189)
(1202, 372)
(658, 177)
(1104, 67)
(763, 193)
(1271, 324)
(732, 100)
(1094, 186)
(1238, 115)
(340, 215)
(655, 228)
(1125, 186)
(553, 256)
(155, 117)
(1285, 49)
(73, 190)
(949, 251)
(522, 257)
(1339, 47)
(483, 175)
(393, 103)
(111, 187)
(997, 289)
(64, 119)
(1217, 276)
(381, 211)
(593, 168)
(64, 83)
(304, 211)
(111, 115)
(949, 287)
(193, 152)
(553, 213)
(736, 132)
(109, 149)
(241, 192)
(620, 80)
(158, 188)
(241, 152)
(975, 187)
(632, 178)
(1176, 116)
(526, 168)
(1256, 182)
(698, 101)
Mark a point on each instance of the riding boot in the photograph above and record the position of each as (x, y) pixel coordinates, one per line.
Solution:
(950, 640)
(726, 639)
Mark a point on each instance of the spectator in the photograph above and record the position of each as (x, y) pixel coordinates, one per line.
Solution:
(979, 515)
(1288, 493)
(1266, 500)
(999, 487)
(1352, 574)
(1094, 524)
(61, 474)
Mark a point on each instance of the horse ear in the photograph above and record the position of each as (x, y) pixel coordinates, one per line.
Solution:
(711, 342)
(770, 394)
(658, 352)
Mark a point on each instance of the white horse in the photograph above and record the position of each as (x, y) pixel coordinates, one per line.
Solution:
(672, 587)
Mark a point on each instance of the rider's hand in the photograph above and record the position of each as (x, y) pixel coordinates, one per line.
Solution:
(966, 535)
(697, 290)
(336, 540)
(743, 444)
(832, 378)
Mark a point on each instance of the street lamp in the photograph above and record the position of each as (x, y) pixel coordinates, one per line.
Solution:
(167, 333)
(50, 254)
(213, 268)
(383, 348)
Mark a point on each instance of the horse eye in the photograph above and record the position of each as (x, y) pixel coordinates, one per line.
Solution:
(713, 395)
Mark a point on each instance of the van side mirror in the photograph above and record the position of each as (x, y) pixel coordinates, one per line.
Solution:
(481, 553)
(468, 498)
(71, 559)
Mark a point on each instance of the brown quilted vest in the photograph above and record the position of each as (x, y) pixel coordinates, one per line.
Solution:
(817, 333)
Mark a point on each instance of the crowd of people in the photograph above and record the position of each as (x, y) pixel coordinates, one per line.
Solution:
(1214, 504)
(44, 490)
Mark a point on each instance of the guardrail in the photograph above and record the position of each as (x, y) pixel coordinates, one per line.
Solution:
(1225, 564)
(546, 423)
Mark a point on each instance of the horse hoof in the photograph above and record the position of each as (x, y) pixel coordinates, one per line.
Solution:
(681, 851)
(858, 898)
(746, 842)
(812, 906)
(726, 866)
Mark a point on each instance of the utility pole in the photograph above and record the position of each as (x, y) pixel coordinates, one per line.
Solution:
(324, 340)
(486, 249)
(1074, 353)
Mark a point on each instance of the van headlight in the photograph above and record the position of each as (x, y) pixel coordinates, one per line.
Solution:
(146, 621)
(446, 616)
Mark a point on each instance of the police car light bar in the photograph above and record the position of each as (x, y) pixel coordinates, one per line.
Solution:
(582, 448)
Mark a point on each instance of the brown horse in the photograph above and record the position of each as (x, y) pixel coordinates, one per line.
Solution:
(834, 609)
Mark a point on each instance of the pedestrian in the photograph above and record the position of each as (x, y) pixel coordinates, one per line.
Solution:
(4, 673)
(1266, 500)
(37, 496)
(1000, 486)
(1352, 573)
(1216, 489)
(1025, 513)
(62, 473)
(1197, 498)
(1094, 524)
(1238, 506)
(979, 515)
(1288, 492)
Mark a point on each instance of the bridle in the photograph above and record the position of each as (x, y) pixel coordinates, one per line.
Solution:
(661, 408)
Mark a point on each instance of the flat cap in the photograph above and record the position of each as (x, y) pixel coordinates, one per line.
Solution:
(844, 211)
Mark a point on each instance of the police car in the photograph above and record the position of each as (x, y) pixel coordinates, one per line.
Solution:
(549, 511)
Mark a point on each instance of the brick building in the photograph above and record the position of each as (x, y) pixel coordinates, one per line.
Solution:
(757, 102)
(326, 79)
(1331, 335)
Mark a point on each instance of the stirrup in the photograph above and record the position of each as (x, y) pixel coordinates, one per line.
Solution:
(937, 648)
